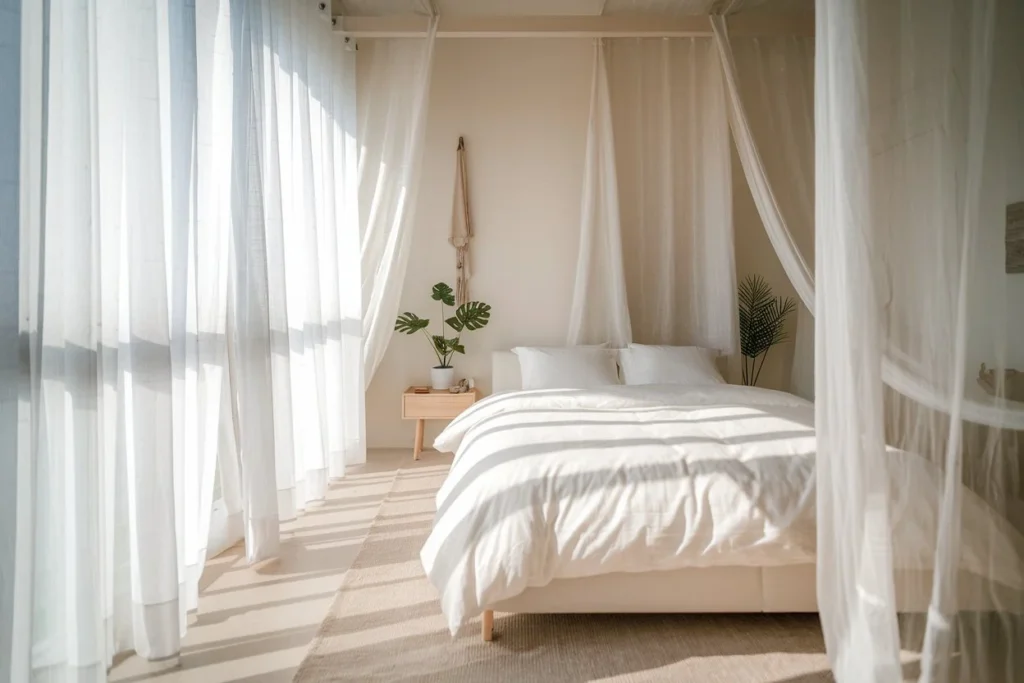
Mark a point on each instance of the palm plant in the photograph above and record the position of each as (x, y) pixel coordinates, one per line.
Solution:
(470, 316)
(762, 323)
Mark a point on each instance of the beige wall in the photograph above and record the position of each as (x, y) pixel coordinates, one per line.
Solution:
(522, 106)
(1015, 190)
(991, 322)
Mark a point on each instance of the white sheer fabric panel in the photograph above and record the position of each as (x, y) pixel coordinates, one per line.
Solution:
(392, 125)
(915, 107)
(299, 414)
(675, 190)
(600, 310)
(205, 374)
(113, 466)
(776, 81)
(345, 334)
(167, 150)
(11, 381)
(249, 321)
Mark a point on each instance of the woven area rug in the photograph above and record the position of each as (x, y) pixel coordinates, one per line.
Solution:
(386, 625)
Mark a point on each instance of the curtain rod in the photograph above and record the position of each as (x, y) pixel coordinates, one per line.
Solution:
(800, 24)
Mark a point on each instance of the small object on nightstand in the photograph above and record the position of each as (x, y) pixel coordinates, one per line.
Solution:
(434, 405)
(420, 390)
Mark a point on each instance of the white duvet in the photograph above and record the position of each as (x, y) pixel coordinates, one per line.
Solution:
(563, 484)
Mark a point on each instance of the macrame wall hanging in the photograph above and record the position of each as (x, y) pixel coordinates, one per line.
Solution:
(462, 226)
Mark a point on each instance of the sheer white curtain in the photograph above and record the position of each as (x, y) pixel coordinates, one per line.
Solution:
(294, 301)
(915, 107)
(675, 190)
(600, 310)
(392, 125)
(107, 297)
(10, 380)
(186, 247)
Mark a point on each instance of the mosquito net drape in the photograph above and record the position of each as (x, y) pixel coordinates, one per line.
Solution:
(918, 114)
(915, 113)
(656, 263)
(898, 369)
(392, 129)
(600, 312)
(916, 102)
(775, 78)
(675, 190)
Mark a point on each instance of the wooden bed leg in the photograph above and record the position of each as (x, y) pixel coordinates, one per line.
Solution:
(487, 625)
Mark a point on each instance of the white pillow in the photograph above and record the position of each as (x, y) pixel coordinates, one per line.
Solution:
(690, 365)
(569, 367)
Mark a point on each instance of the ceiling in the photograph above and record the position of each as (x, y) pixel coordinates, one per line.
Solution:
(562, 8)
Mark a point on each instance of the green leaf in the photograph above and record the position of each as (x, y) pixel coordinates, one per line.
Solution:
(444, 294)
(410, 323)
(471, 315)
(762, 316)
(447, 345)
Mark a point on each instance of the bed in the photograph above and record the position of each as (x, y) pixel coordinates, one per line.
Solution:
(704, 497)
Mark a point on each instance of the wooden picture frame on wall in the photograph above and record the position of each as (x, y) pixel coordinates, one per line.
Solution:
(1015, 238)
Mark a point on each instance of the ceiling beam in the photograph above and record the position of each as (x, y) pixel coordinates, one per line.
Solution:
(411, 26)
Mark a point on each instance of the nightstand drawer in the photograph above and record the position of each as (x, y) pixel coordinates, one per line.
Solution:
(435, 406)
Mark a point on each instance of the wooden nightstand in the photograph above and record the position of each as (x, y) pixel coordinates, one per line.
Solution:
(437, 405)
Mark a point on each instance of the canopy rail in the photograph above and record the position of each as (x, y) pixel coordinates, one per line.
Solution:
(415, 26)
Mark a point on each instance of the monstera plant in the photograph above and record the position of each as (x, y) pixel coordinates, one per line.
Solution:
(762, 323)
(470, 316)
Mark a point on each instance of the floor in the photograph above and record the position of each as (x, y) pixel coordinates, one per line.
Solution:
(255, 624)
(387, 626)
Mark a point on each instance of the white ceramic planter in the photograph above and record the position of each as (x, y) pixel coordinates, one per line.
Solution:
(442, 378)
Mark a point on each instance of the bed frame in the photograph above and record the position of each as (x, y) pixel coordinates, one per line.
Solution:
(698, 590)
(708, 590)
